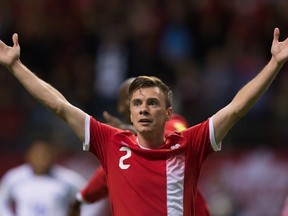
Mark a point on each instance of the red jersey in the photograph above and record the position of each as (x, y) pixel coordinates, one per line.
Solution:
(96, 189)
(156, 181)
(178, 123)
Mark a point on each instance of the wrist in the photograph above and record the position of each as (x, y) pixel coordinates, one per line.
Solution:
(275, 63)
(15, 65)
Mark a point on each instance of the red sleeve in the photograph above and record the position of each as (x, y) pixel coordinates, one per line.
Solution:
(100, 137)
(200, 145)
(96, 188)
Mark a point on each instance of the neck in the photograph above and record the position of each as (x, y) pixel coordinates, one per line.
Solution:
(150, 142)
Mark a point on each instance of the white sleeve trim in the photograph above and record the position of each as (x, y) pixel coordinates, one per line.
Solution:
(86, 144)
(214, 145)
(79, 197)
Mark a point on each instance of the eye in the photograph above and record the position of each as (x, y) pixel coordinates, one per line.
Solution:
(136, 103)
(153, 102)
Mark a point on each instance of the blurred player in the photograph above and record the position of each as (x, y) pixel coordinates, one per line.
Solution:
(39, 187)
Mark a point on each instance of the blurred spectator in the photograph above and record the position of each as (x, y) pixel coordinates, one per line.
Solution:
(216, 80)
(177, 42)
(111, 65)
(265, 182)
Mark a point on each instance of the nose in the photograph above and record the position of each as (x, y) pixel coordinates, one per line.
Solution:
(144, 112)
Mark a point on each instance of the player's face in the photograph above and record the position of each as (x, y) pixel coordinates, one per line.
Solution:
(40, 158)
(148, 110)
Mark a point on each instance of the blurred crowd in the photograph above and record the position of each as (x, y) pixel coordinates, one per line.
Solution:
(247, 183)
(204, 49)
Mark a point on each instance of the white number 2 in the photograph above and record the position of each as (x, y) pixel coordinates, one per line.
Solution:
(128, 154)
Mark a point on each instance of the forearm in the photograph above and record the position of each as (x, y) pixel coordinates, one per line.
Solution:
(55, 91)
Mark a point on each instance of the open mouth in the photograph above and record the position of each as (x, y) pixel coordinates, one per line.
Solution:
(145, 121)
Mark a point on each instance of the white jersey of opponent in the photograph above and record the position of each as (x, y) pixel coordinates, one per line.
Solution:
(33, 195)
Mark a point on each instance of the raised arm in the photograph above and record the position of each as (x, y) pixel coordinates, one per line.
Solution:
(40, 90)
(246, 98)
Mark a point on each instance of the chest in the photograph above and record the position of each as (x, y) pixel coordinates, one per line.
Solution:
(144, 169)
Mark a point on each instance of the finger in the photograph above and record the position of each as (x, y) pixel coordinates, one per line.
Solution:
(107, 116)
(15, 39)
(276, 35)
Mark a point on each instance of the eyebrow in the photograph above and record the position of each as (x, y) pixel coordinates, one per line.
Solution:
(150, 98)
(136, 99)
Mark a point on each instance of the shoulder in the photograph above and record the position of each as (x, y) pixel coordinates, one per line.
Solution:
(24, 169)
(17, 173)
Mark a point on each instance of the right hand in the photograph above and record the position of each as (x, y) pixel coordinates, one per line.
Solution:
(9, 55)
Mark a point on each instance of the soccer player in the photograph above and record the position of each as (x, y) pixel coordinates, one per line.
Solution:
(149, 174)
(39, 187)
(96, 189)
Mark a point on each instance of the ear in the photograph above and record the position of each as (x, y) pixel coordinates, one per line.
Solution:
(169, 113)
